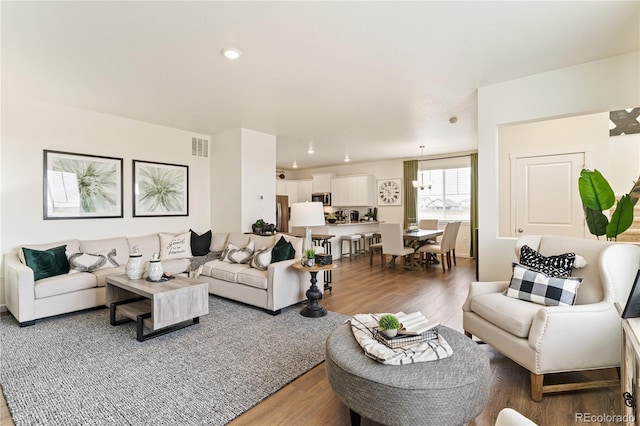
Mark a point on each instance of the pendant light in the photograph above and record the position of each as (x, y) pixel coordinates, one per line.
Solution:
(415, 183)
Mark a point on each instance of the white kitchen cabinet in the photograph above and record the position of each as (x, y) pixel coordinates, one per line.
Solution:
(304, 190)
(353, 191)
(288, 188)
(340, 192)
(322, 182)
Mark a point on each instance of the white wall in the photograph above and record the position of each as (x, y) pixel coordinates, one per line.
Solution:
(29, 127)
(566, 135)
(243, 187)
(606, 85)
(258, 183)
(624, 162)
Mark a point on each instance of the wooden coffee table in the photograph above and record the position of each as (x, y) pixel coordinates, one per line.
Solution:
(162, 307)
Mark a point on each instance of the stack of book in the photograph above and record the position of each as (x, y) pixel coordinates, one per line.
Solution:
(414, 328)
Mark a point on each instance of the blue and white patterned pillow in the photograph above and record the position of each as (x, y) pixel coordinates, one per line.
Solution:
(533, 286)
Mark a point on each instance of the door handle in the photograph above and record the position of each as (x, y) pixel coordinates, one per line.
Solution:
(520, 230)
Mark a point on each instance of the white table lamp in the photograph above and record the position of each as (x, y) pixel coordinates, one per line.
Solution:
(307, 215)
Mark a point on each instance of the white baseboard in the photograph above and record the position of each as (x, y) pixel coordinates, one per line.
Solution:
(3, 308)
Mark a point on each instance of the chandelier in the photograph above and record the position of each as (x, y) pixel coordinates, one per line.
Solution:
(420, 184)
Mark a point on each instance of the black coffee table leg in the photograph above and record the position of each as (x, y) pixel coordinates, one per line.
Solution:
(313, 308)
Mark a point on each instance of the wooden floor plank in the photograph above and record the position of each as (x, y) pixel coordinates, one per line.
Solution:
(360, 288)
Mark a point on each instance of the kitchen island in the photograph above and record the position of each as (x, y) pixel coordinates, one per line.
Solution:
(344, 228)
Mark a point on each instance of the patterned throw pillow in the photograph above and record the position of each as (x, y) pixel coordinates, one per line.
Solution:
(554, 266)
(87, 262)
(235, 254)
(175, 246)
(537, 287)
(262, 258)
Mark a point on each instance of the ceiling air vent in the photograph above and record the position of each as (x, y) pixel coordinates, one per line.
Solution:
(199, 147)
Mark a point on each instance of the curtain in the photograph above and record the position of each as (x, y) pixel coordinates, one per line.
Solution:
(473, 214)
(410, 193)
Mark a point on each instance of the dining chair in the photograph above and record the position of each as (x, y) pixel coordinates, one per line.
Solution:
(429, 224)
(393, 244)
(454, 239)
(445, 246)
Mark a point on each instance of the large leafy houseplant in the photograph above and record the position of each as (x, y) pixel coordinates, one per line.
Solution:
(597, 196)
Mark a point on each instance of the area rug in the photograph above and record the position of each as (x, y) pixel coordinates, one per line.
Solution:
(76, 369)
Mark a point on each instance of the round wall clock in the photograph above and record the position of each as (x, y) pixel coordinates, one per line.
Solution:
(389, 191)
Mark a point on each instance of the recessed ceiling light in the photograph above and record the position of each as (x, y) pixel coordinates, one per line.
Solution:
(453, 120)
(231, 53)
(310, 150)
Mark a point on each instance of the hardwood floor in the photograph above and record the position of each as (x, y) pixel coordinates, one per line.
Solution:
(359, 288)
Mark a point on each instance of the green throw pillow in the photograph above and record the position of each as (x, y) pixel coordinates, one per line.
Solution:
(47, 263)
(283, 250)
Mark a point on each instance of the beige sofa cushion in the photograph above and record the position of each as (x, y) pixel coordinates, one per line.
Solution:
(238, 239)
(99, 246)
(512, 315)
(218, 242)
(263, 241)
(147, 245)
(253, 277)
(61, 284)
(175, 266)
(223, 270)
(73, 246)
(102, 274)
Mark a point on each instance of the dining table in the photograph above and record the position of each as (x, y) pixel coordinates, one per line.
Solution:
(421, 236)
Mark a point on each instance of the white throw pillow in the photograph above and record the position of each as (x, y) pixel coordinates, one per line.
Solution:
(87, 262)
(262, 258)
(175, 246)
(235, 254)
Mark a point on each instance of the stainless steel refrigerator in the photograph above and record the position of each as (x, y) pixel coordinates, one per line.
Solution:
(282, 213)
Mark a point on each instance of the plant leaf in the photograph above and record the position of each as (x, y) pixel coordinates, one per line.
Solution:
(635, 192)
(622, 218)
(595, 192)
(596, 221)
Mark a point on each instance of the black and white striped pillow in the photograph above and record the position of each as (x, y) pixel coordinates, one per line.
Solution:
(537, 287)
(555, 266)
(262, 258)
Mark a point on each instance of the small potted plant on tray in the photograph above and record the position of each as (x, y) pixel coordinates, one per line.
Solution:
(258, 226)
(309, 258)
(389, 325)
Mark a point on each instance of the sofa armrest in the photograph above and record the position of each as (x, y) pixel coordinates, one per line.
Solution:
(566, 334)
(284, 285)
(19, 288)
(478, 288)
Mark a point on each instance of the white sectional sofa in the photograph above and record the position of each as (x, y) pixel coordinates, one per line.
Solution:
(28, 299)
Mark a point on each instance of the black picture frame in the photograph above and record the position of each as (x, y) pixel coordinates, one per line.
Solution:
(632, 308)
(81, 186)
(160, 189)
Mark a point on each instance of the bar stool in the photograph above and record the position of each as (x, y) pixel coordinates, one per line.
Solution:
(373, 248)
(377, 237)
(367, 237)
(354, 245)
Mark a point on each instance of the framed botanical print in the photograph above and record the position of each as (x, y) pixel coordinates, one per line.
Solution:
(81, 186)
(389, 192)
(160, 189)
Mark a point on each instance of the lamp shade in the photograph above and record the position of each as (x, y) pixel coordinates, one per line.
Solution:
(307, 214)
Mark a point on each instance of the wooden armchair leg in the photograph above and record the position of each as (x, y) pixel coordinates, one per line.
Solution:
(537, 381)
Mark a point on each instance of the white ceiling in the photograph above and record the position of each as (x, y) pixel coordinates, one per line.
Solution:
(371, 79)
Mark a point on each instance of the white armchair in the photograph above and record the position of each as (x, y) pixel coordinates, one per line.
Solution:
(553, 339)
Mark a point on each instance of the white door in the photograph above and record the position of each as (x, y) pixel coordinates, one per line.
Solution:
(545, 197)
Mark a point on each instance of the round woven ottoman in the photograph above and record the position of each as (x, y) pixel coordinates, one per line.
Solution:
(450, 391)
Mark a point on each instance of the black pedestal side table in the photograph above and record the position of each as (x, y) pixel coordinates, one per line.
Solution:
(313, 308)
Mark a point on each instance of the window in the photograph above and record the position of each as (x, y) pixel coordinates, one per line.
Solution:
(446, 194)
